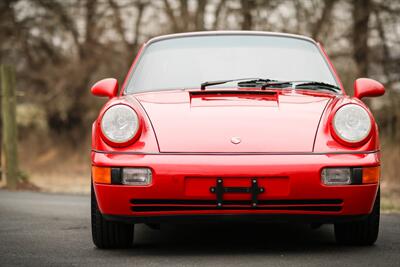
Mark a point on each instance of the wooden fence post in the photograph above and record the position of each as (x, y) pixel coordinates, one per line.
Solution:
(1, 133)
(9, 129)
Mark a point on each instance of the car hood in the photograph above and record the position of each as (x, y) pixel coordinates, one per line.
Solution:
(234, 121)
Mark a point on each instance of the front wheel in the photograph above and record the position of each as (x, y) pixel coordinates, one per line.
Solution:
(364, 232)
(109, 234)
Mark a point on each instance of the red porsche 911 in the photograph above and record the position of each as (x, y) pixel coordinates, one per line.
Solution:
(234, 126)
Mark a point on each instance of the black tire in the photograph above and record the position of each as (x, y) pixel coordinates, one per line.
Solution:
(109, 234)
(363, 232)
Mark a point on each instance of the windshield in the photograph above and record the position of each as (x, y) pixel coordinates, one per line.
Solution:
(186, 62)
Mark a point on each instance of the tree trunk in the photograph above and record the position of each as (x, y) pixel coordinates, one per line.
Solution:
(361, 13)
(217, 13)
(247, 17)
(9, 128)
(170, 13)
(200, 13)
(324, 19)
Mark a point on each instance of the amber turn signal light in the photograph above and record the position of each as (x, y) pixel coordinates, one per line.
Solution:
(101, 175)
(371, 175)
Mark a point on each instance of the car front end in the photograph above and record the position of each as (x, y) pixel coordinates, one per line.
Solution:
(278, 151)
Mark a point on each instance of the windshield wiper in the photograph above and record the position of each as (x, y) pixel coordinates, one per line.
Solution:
(320, 85)
(306, 84)
(246, 81)
(268, 83)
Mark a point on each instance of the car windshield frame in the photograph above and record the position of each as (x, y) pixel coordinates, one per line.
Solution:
(156, 40)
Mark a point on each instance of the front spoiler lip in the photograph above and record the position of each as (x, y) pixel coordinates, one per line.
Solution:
(235, 218)
(237, 154)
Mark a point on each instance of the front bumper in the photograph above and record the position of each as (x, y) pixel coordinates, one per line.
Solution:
(181, 185)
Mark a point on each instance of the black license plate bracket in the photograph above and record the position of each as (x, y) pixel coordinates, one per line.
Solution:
(219, 190)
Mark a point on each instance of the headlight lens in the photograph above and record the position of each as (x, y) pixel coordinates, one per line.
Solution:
(352, 123)
(336, 176)
(120, 123)
(136, 176)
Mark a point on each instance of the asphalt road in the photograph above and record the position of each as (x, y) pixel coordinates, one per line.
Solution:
(39, 229)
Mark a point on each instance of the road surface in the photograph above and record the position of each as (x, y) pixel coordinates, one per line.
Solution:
(38, 229)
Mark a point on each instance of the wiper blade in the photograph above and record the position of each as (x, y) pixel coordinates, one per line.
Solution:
(253, 81)
(297, 84)
(322, 85)
(277, 83)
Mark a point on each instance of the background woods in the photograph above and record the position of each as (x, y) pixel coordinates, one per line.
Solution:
(60, 47)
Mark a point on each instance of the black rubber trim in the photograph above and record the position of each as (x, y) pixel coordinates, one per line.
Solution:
(190, 208)
(230, 92)
(356, 175)
(234, 154)
(116, 176)
(237, 202)
(236, 218)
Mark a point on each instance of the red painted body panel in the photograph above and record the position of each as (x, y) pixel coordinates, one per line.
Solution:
(190, 176)
(207, 123)
(185, 139)
(364, 87)
(106, 87)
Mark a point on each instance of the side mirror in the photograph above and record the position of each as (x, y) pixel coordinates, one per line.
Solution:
(106, 87)
(364, 87)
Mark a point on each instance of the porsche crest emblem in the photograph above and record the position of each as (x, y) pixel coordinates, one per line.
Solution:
(236, 140)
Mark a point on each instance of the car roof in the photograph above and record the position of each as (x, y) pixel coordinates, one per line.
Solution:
(216, 33)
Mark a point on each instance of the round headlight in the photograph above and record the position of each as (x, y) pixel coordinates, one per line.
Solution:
(352, 123)
(120, 123)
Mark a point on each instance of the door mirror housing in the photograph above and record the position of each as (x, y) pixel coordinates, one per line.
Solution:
(106, 87)
(364, 87)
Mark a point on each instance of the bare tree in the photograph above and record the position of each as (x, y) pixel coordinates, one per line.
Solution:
(386, 61)
(324, 19)
(183, 19)
(217, 13)
(199, 15)
(361, 14)
(247, 7)
(119, 23)
(140, 8)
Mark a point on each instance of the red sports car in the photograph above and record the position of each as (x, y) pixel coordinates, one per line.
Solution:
(234, 126)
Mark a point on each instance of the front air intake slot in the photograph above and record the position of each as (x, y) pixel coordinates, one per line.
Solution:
(159, 205)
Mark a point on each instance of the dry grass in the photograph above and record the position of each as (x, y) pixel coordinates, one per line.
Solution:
(390, 182)
(58, 167)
